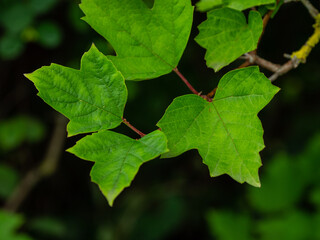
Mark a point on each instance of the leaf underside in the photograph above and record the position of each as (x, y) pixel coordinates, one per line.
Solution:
(93, 98)
(206, 5)
(118, 158)
(227, 132)
(148, 42)
(226, 36)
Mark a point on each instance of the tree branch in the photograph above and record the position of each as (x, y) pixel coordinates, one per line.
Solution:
(45, 169)
(255, 59)
(312, 10)
(296, 58)
(288, 66)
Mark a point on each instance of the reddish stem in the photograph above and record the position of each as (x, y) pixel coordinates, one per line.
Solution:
(186, 81)
(133, 128)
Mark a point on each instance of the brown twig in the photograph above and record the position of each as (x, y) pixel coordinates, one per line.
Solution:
(46, 169)
(141, 134)
(277, 69)
(255, 59)
(296, 58)
(288, 66)
(247, 63)
(312, 10)
(186, 81)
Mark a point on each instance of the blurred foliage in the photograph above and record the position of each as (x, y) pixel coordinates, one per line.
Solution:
(48, 227)
(8, 179)
(169, 199)
(18, 22)
(9, 223)
(277, 209)
(227, 225)
(20, 129)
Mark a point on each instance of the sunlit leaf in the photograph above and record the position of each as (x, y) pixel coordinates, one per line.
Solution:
(148, 42)
(206, 5)
(118, 158)
(226, 131)
(93, 98)
(226, 35)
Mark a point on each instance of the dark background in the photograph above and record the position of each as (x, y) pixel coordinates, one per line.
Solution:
(169, 198)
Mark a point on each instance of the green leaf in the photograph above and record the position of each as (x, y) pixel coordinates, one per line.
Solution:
(206, 5)
(9, 223)
(283, 184)
(226, 131)
(226, 36)
(17, 17)
(93, 98)
(9, 179)
(148, 42)
(50, 35)
(11, 46)
(295, 225)
(20, 129)
(49, 227)
(226, 225)
(118, 158)
(42, 6)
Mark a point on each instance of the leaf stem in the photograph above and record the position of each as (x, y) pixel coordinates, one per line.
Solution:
(141, 134)
(186, 81)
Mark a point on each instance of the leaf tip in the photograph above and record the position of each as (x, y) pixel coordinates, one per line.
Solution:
(70, 150)
(27, 75)
(110, 196)
(110, 202)
(255, 183)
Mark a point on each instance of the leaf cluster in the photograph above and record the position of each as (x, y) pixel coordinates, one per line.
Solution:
(149, 42)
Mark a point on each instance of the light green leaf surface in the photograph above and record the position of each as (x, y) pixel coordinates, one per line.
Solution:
(206, 5)
(226, 131)
(118, 158)
(93, 98)
(226, 36)
(148, 42)
(9, 223)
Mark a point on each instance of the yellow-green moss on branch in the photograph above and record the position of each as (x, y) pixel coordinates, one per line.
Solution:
(305, 50)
